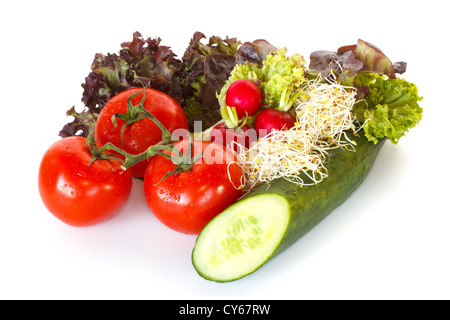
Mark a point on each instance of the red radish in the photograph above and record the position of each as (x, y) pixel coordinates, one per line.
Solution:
(233, 138)
(245, 96)
(270, 119)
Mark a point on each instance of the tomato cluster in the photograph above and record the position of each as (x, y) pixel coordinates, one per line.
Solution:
(83, 181)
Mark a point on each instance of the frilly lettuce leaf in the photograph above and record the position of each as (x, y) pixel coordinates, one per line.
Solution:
(388, 105)
(282, 76)
(206, 68)
(349, 61)
(153, 65)
(139, 62)
(390, 109)
(254, 52)
(193, 80)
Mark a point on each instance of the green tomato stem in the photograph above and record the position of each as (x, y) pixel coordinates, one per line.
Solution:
(136, 113)
(182, 162)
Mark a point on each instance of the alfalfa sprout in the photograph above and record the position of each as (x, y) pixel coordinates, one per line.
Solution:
(324, 116)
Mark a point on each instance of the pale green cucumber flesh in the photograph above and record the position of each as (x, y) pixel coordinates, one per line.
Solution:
(242, 238)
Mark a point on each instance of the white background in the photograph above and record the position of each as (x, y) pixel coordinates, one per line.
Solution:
(390, 240)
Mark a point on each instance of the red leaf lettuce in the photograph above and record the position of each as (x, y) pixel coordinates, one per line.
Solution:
(139, 62)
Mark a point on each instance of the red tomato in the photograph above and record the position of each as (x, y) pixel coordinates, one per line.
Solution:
(78, 194)
(142, 134)
(245, 96)
(188, 200)
(270, 119)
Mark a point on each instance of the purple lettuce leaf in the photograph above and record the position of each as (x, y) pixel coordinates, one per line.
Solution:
(348, 61)
(254, 52)
(206, 68)
(155, 66)
(141, 62)
(193, 80)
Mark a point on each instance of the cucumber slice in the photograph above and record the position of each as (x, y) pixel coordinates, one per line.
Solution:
(242, 238)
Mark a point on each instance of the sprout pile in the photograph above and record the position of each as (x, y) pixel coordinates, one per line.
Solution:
(324, 116)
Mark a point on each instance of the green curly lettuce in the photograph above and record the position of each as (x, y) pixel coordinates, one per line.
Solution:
(390, 109)
(282, 76)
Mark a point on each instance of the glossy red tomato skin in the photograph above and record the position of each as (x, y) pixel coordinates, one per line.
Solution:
(187, 201)
(77, 194)
(270, 119)
(140, 135)
(245, 96)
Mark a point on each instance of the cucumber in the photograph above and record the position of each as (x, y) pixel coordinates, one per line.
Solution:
(273, 216)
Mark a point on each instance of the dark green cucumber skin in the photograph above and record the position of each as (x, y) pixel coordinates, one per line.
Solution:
(309, 205)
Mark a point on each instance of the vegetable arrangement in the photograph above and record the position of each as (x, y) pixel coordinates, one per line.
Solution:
(239, 143)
